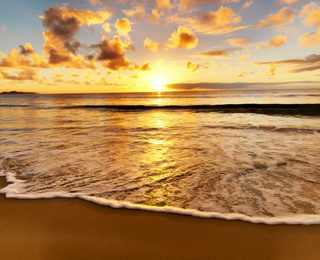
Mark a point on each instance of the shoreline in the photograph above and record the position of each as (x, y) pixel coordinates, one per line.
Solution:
(77, 229)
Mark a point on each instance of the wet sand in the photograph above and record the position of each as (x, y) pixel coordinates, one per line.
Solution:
(75, 229)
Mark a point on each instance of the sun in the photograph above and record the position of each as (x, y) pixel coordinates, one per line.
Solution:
(159, 82)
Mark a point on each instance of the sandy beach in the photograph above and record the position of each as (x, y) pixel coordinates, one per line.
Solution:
(76, 229)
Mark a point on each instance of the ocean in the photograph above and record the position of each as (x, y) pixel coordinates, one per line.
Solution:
(251, 155)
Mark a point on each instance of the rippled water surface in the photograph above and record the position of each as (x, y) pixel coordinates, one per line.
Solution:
(263, 164)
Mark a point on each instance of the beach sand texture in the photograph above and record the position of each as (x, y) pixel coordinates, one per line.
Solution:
(50, 229)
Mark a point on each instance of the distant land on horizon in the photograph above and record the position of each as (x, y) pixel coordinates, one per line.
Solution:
(16, 92)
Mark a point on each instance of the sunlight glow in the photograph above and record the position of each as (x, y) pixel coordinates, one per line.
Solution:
(158, 83)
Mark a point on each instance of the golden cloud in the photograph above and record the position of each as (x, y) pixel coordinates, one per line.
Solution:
(146, 66)
(17, 60)
(192, 66)
(285, 16)
(244, 57)
(272, 69)
(217, 53)
(242, 74)
(183, 38)
(240, 42)
(123, 27)
(106, 28)
(247, 4)
(25, 74)
(288, 2)
(153, 46)
(220, 22)
(188, 3)
(136, 12)
(275, 42)
(312, 13)
(162, 4)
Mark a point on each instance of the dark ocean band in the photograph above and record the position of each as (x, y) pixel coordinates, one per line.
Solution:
(269, 109)
(282, 109)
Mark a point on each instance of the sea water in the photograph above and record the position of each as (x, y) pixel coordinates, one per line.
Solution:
(252, 155)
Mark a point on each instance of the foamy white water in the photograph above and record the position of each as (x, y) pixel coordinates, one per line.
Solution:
(263, 168)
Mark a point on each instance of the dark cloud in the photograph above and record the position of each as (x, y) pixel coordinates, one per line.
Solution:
(310, 63)
(62, 26)
(236, 85)
(109, 49)
(89, 57)
(117, 64)
(72, 47)
(25, 50)
(56, 58)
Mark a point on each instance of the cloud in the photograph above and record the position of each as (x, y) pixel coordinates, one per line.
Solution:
(191, 66)
(153, 46)
(134, 76)
(247, 4)
(162, 4)
(17, 60)
(271, 71)
(233, 85)
(275, 42)
(27, 49)
(310, 63)
(244, 57)
(216, 53)
(312, 13)
(183, 38)
(285, 16)
(102, 82)
(287, 2)
(73, 82)
(220, 22)
(242, 73)
(123, 27)
(189, 3)
(112, 53)
(240, 42)
(25, 74)
(95, 2)
(57, 75)
(106, 28)
(62, 26)
(136, 12)
(146, 66)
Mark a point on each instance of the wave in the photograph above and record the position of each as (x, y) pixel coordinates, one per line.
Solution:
(15, 190)
(272, 109)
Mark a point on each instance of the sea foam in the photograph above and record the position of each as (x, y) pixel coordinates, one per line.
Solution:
(15, 190)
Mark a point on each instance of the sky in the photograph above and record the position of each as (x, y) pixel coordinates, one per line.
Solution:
(98, 46)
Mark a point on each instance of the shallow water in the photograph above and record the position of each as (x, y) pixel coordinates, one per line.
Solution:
(259, 167)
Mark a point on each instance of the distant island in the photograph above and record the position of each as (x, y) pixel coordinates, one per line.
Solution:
(16, 92)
